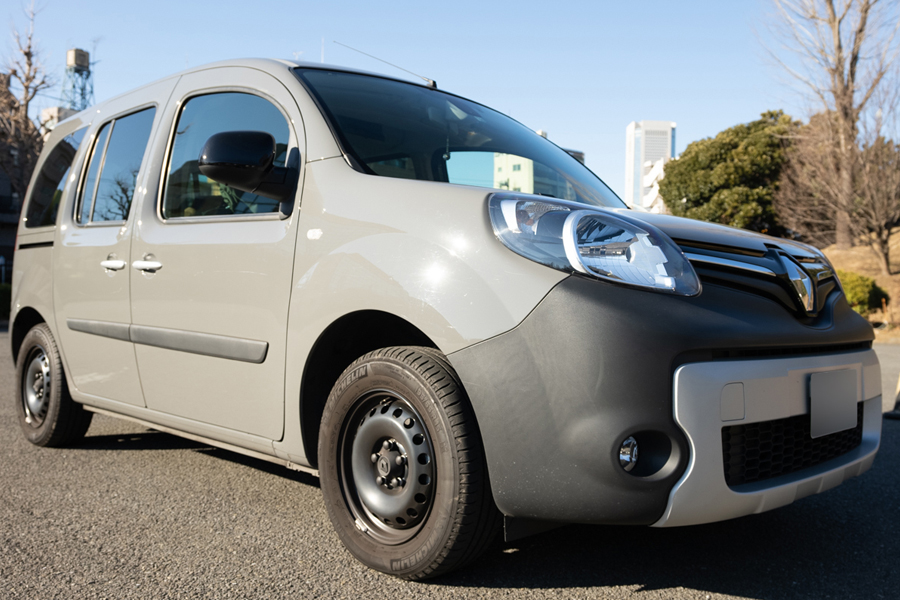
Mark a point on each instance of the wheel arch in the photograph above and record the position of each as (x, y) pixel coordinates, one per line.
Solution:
(25, 319)
(342, 342)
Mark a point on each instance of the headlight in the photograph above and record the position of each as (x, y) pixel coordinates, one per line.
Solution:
(576, 238)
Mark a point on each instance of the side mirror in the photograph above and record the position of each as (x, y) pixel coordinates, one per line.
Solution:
(244, 160)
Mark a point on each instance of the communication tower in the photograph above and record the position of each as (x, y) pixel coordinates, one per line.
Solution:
(78, 87)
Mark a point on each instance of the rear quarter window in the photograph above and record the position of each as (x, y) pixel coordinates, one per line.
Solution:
(51, 181)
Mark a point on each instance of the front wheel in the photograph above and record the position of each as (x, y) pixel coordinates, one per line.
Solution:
(402, 466)
(47, 414)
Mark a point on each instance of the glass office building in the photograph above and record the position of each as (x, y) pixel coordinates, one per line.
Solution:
(646, 142)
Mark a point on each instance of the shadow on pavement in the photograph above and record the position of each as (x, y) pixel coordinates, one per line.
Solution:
(157, 440)
(147, 440)
(262, 465)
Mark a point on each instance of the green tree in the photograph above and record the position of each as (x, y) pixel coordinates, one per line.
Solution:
(731, 178)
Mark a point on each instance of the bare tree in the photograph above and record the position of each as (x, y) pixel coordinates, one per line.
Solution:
(877, 209)
(847, 50)
(811, 187)
(114, 198)
(23, 77)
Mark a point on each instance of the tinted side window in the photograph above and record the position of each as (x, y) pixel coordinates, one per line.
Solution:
(51, 182)
(109, 186)
(124, 154)
(188, 193)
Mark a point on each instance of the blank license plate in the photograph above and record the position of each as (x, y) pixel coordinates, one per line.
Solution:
(833, 398)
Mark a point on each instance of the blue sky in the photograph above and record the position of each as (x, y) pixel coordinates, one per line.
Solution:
(579, 70)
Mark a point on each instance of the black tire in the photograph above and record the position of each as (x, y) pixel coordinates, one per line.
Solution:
(47, 414)
(402, 467)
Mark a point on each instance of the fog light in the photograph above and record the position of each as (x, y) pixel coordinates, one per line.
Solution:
(628, 453)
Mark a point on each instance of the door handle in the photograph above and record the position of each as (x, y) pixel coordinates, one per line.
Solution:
(113, 265)
(147, 265)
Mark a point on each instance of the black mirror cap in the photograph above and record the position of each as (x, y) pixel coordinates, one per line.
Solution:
(241, 159)
(244, 160)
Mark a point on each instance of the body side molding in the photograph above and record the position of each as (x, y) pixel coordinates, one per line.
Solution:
(207, 344)
(116, 331)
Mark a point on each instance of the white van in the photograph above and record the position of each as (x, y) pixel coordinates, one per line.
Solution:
(443, 315)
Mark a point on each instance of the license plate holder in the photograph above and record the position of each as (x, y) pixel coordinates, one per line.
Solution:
(833, 397)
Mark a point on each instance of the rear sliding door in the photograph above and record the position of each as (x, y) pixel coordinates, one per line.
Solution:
(90, 267)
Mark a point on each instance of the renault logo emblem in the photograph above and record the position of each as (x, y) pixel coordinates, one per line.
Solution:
(803, 284)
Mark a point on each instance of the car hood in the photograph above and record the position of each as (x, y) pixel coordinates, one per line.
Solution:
(689, 232)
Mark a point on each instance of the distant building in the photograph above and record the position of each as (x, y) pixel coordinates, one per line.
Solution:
(9, 215)
(518, 174)
(646, 143)
(50, 117)
(652, 201)
(513, 173)
(9, 221)
(576, 154)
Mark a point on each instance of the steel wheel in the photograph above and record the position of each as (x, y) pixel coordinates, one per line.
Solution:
(387, 471)
(36, 387)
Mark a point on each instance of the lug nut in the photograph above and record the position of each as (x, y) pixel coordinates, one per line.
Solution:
(395, 482)
(374, 458)
(387, 445)
(400, 482)
(379, 480)
(400, 460)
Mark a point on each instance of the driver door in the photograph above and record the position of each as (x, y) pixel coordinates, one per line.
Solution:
(213, 265)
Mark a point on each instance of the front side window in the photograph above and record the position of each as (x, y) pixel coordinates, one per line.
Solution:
(51, 181)
(396, 129)
(113, 169)
(189, 193)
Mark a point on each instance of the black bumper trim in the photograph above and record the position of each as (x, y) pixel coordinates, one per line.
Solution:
(593, 364)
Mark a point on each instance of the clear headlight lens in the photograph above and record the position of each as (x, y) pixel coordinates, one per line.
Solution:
(571, 237)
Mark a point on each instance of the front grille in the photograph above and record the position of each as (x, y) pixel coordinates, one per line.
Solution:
(760, 451)
(761, 274)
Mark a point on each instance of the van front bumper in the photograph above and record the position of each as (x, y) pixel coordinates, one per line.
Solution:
(595, 363)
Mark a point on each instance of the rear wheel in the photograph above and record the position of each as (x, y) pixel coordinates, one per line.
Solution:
(47, 414)
(402, 467)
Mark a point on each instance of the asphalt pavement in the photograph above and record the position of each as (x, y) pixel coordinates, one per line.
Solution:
(133, 513)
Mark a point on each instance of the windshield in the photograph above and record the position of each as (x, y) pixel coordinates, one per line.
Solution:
(397, 129)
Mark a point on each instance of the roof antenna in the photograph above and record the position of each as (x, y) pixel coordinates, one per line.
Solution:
(431, 82)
